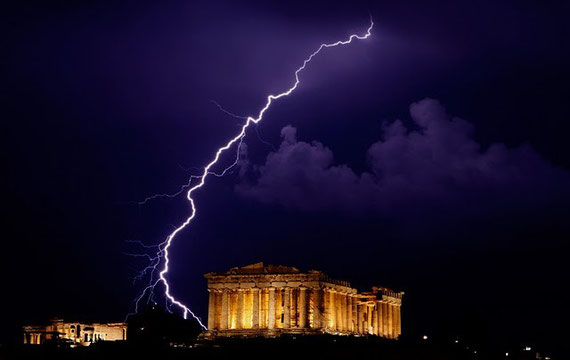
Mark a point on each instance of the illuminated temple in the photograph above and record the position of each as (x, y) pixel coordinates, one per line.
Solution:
(74, 333)
(269, 300)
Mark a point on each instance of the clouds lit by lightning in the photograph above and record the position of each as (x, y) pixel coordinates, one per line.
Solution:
(161, 261)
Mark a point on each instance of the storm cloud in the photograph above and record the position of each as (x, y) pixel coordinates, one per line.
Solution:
(433, 164)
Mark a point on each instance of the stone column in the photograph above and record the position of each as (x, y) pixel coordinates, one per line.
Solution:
(336, 313)
(378, 317)
(329, 308)
(326, 317)
(392, 317)
(354, 314)
(373, 319)
(361, 316)
(395, 321)
(317, 305)
(294, 304)
(233, 300)
(390, 321)
(380, 321)
(361, 309)
(341, 316)
(344, 311)
(225, 313)
(350, 300)
(239, 321)
(384, 319)
(398, 320)
(377, 322)
(303, 307)
(271, 310)
(338, 306)
(211, 309)
(287, 308)
(367, 319)
(341, 309)
(255, 309)
(336, 310)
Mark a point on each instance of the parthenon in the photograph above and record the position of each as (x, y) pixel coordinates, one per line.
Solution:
(269, 300)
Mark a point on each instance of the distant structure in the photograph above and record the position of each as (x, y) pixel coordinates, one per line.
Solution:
(268, 300)
(76, 334)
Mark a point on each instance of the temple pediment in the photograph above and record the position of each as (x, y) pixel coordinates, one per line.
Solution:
(261, 268)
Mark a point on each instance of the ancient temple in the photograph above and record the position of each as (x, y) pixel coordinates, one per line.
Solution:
(74, 333)
(269, 300)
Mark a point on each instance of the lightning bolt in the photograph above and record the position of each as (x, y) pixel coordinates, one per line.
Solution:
(163, 256)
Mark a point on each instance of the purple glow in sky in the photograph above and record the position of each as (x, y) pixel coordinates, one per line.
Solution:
(162, 257)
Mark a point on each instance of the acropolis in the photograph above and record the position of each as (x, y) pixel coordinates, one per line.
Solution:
(267, 301)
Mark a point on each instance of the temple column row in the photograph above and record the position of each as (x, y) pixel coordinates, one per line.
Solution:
(31, 338)
(257, 307)
(388, 319)
(302, 307)
(375, 317)
(340, 311)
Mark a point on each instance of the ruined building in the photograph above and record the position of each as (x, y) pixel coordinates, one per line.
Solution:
(268, 300)
(73, 333)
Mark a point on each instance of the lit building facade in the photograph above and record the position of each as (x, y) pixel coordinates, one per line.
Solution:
(76, 334)
(269, 300)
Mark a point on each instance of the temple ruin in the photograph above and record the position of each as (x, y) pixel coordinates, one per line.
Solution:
(268, 300)
(74, 333)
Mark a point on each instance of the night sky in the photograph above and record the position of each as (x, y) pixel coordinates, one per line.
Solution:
(432, 158)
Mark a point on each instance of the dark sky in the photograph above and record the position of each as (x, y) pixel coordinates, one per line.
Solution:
(432, 157)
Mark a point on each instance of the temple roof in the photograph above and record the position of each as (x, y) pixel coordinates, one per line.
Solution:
(261, 268)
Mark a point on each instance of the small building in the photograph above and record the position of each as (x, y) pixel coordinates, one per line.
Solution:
(76, 334)
(268, 300)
